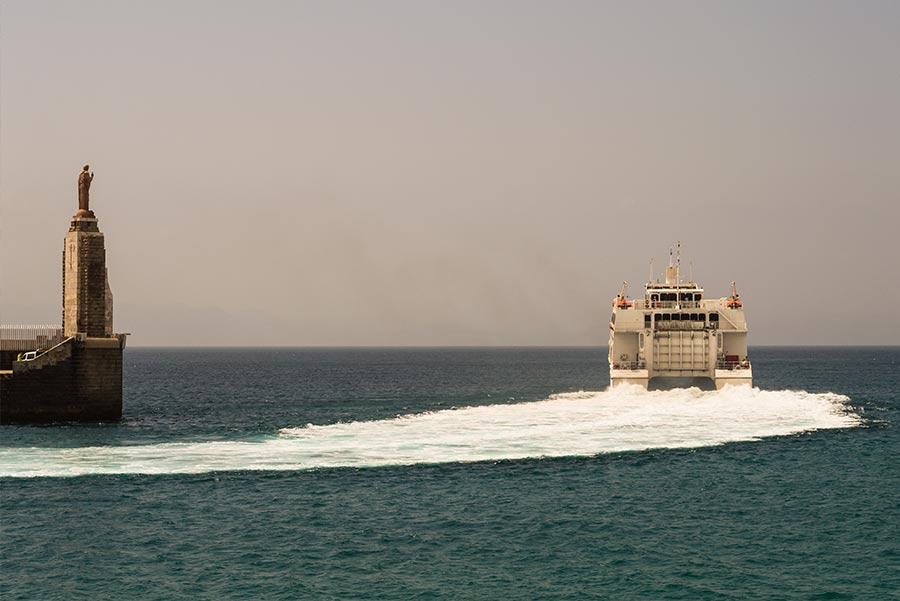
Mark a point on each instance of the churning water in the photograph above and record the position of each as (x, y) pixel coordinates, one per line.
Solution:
(625, 418)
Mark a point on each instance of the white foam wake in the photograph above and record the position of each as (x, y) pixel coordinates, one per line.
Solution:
(585, 423)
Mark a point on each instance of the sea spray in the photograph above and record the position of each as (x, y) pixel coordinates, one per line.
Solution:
(583, 423)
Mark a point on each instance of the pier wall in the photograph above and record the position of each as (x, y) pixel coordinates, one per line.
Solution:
(80, 379)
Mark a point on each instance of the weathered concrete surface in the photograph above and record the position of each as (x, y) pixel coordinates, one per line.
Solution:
(87, 299)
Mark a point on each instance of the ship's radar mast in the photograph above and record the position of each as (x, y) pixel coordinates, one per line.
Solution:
(672, 269)
(678, 262)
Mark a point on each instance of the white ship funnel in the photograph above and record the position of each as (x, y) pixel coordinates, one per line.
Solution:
(671, 275)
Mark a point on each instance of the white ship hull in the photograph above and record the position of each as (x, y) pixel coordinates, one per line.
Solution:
(675, 333)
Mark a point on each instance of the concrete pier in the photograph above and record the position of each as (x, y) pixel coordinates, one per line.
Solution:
(74, 374)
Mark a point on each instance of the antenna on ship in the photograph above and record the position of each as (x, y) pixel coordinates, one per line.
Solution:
(678, 262)
(692, 271)
(650, 281)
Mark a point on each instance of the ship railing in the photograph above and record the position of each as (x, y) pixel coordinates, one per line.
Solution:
(646, 304)
(629, 365)
(28, 337)
(683, 325)
(723, 364)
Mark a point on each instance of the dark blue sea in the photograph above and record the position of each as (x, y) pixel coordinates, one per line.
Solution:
(461, 474)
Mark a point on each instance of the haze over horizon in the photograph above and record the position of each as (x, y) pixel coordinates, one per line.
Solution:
(424, 173)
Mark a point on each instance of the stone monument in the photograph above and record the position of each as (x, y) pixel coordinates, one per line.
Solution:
(77, 376)
(84, 192)
(87, 299)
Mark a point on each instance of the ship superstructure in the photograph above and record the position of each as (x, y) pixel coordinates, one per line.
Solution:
(674, 332)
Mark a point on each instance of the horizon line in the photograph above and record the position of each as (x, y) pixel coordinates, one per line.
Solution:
(465, 346)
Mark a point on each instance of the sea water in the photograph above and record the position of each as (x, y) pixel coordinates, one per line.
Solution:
(461, 473)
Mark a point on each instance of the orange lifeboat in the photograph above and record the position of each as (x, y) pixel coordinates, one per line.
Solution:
(622, 301)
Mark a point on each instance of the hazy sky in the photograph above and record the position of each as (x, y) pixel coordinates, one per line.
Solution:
(428, 173)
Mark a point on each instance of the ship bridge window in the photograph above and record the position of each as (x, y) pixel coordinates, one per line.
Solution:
(714, 317)
(654, 297)
(695, 317)
(676, 317)
(666, 316)
(647, 320)
(686, 296)
(685, 317)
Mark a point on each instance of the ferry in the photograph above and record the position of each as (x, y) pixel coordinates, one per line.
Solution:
(675, 337)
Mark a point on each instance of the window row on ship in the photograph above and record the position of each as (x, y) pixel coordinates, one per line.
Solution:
(701, 318)
(673, 297)
(697, 320)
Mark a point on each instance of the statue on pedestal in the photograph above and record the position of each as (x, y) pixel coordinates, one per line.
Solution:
(84, 188)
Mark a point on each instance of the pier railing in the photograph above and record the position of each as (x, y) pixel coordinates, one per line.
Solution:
(28, 337)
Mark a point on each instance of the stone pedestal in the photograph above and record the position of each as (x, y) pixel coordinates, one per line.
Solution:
(87, 300)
